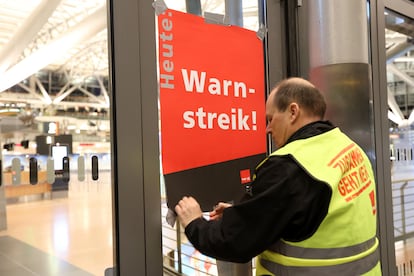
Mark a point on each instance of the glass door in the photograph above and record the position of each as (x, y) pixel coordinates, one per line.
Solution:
(56, 189)
(400, 85)
(179, 255)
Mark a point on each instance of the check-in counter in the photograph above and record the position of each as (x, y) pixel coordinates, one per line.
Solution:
(24, 188)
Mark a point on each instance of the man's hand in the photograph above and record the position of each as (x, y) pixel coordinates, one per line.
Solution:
(218, 210)
(188, 210)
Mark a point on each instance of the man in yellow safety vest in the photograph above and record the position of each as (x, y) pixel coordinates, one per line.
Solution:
(311, 209)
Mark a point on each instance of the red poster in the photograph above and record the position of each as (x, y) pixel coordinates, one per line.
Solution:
(212, 93)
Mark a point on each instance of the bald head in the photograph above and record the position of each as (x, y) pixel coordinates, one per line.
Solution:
(292, 104)
(301, 91)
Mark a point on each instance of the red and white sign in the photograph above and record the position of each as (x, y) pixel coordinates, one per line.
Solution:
(212, 94)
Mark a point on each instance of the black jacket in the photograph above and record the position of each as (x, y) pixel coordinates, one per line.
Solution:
(285, 202)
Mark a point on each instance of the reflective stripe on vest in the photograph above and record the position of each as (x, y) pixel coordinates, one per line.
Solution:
(321, 253)
(354, 265)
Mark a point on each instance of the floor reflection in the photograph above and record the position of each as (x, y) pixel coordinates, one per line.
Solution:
(76, 228)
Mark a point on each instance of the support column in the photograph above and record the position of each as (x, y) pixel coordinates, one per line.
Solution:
(338, 54)
(234, 12)
(193, 7)
(338, 32)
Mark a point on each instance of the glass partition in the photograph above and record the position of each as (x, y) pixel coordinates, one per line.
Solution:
(179, 255)
(55, 193)
(400, 84)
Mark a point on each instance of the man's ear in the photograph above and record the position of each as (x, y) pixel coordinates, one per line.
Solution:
(294, 111)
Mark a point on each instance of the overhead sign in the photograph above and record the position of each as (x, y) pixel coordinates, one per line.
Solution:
(212, 100)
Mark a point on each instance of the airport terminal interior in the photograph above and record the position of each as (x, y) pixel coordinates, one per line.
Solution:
(56, 197)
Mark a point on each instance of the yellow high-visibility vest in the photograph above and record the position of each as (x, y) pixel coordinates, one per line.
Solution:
(345, 242)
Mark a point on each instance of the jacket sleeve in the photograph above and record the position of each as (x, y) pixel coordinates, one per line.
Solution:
(286, 203)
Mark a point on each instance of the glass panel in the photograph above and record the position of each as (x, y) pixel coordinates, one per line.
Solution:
(178, 254)
(250, 18)
(400, 81)
(55, 197)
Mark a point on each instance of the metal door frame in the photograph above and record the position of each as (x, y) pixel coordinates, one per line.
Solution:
(383, 165)
(135, 138)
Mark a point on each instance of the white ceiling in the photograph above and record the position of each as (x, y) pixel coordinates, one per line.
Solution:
(51, 34)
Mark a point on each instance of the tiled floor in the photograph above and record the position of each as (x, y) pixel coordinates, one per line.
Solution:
(20, 259)
(60, 235)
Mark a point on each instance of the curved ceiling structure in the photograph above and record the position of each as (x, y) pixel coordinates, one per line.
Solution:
(399, 36)
(59, 43)
(54, 53)
(59, 33)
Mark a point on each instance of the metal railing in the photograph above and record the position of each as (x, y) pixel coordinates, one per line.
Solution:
(180, 256)
(403, 208)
